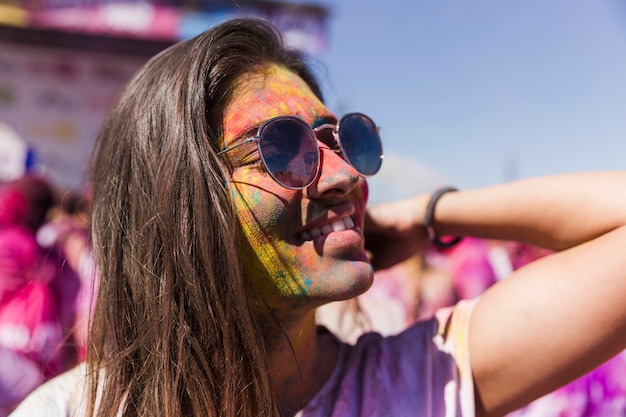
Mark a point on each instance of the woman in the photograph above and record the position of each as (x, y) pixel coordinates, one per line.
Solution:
(225, 212)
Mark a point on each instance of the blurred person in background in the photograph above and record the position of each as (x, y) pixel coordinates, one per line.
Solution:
(30, 329)
(67, 236)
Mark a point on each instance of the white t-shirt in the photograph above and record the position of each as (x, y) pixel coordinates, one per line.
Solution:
(424, 371)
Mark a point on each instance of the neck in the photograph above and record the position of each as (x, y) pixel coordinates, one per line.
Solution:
(299, 361)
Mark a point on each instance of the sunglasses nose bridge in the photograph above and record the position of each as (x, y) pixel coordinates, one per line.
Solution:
(335, 173)
(327, 134)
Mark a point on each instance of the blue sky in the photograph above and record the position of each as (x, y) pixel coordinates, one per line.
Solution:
(475, 93)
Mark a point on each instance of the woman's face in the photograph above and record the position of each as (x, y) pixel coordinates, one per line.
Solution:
(306, 246)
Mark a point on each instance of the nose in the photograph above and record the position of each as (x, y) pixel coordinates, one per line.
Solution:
(336, 177)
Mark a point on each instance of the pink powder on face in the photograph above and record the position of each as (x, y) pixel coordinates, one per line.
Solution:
(270, 92)
(279, 262)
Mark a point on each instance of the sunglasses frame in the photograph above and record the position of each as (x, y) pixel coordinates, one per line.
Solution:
(336, 134)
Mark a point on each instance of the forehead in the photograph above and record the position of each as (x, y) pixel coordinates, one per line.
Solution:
(269, 92)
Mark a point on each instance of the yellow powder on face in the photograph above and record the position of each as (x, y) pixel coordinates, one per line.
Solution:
(271, 273)
(267, 92)
(278, 269)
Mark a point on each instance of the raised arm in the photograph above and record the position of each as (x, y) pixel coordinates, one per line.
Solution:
(556, 318)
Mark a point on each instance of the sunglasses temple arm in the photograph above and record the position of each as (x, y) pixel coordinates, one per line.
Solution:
(252, 139)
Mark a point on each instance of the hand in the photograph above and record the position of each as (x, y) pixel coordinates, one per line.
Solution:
(394, 231)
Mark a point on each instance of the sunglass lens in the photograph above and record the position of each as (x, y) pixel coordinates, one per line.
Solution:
(289, 151)
(361, 143)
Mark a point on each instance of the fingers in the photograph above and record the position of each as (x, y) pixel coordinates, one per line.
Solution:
(396, 217)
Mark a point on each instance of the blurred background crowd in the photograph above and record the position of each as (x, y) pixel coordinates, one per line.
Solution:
(47, 282)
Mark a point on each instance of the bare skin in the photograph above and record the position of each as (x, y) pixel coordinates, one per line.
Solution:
(551, 322)
(291, 275)
(555, 319)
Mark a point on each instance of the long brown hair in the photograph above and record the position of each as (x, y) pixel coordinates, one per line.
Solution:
(173, 333)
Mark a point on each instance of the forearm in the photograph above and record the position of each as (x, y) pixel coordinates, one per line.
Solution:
(555, 212)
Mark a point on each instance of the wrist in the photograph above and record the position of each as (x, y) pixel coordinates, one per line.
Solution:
(429, 220)
(420, 202)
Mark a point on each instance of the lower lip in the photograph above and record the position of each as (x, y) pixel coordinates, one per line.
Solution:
(344, 238)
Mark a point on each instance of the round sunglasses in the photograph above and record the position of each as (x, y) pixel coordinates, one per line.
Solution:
(289, 148)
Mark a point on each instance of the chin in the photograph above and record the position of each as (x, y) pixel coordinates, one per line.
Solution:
(362, 286)
(353, 284)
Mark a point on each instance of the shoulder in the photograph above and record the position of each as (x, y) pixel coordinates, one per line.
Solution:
(446, 332)
(62, 396)
(424, 370)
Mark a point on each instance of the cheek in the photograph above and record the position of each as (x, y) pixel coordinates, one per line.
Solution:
(365, 189)
(260, 203)
(267, 259)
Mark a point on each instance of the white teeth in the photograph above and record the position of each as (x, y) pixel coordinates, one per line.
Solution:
(336, 226)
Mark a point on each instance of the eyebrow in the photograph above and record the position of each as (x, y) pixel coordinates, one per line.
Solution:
(322, 120)
(247, 132)
(252, 129)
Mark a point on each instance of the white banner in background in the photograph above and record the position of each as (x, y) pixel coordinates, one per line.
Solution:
(55, 101)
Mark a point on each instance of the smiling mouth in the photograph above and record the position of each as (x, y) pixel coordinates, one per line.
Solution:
(340, 225)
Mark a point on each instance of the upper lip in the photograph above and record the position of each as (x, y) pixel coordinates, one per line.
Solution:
(330, 215)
